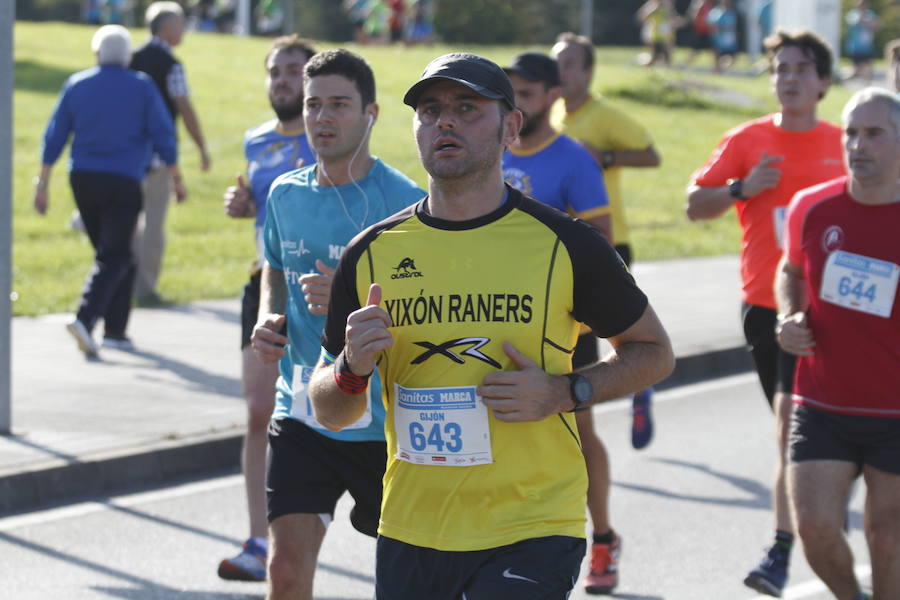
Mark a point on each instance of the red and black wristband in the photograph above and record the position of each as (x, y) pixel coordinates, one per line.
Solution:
(346, 380)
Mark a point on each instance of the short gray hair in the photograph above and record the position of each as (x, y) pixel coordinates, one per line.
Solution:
(874, 94)
(158, 13)
(112, 45)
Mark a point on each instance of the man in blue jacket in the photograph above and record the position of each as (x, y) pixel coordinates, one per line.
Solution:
(116, 117)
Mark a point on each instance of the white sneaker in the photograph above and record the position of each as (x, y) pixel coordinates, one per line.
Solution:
(249, 565)
(83, 337)
(118, 343)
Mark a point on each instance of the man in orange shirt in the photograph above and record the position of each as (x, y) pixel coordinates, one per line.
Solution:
(756, 168)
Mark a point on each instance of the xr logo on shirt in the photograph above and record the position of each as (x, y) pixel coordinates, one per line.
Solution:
(474, 344)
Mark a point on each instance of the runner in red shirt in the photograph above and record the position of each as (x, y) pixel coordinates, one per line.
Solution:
(837, 290)
(756, 168)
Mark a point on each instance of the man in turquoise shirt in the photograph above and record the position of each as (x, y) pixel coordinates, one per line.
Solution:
(312, 214)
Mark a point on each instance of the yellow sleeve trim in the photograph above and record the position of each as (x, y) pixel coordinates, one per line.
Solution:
(600, 211)
(533, 151)
(288, 133)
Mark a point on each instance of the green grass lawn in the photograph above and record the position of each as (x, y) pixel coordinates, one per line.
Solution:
(208, 254)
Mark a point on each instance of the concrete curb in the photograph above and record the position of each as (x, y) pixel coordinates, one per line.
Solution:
(161, 463)
(178, 459)
(708, 365)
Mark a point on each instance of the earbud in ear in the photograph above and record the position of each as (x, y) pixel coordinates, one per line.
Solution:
(371, 120)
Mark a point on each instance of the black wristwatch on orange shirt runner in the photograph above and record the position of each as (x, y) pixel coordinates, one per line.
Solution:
(736, 188)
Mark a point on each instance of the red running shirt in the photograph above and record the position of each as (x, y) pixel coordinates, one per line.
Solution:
(850, 255)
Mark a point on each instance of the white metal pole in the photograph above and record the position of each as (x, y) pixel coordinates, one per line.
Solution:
(7, 18)
(243, 17)
(290, 15)
(587, 18)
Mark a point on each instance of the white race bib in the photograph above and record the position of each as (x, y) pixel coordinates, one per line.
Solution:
(301, 405)
(778, 223)
(446, 427)
(860, 283)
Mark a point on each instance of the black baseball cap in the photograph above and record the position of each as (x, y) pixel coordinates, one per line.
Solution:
(535, 66)
(473, 71)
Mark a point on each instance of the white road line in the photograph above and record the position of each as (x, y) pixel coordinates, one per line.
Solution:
(811, 588)
(684, 391)
(86, 508)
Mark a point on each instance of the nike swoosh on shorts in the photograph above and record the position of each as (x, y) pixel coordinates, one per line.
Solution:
(510, 575)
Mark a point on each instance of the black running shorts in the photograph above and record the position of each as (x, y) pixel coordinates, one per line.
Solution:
(820, 435)
(537, 569)
(774, 366)
(249, 308)
(308, 472)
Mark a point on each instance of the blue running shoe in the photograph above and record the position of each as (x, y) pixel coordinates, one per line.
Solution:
(771, 575)
(642, 419)
(249, 565)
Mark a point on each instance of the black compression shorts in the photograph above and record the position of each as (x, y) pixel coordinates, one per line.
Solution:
(774, 366)
(307, 472)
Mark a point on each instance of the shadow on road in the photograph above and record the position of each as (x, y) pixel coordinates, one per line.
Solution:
(146, 589)
(22, 441)
(759, 495)
(192, 378)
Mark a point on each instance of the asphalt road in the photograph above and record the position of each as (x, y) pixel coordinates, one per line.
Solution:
(693, 511)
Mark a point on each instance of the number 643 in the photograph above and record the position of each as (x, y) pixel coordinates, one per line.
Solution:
(449, 436)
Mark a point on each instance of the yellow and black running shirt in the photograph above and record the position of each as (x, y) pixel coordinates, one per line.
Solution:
(457, 479)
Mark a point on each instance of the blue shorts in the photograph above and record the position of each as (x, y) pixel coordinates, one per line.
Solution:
(536, 569)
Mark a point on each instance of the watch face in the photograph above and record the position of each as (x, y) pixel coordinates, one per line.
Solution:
(583, 390)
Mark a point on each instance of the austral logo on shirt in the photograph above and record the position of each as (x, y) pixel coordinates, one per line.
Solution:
(473, 348)
(406, 269)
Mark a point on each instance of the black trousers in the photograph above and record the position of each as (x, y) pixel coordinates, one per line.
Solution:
(109, 205)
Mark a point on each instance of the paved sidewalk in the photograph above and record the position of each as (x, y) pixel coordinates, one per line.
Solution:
(173, 409)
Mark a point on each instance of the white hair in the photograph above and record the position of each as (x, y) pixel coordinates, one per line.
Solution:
(158, 13)
(874, 94)
(112, 45)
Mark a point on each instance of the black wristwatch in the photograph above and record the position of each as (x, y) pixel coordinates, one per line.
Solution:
(581, 390)
(736, 188)
(608, 158)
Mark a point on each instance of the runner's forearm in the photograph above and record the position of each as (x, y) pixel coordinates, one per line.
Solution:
(640, 358)
(334, 409)
(708, 202)
(790, 289)
(273, 291)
